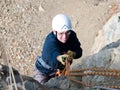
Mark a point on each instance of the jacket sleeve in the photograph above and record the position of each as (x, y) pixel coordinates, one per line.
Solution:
(50, 52)
(76, 45)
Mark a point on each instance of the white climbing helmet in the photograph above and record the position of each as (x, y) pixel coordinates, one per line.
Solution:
(61, 23)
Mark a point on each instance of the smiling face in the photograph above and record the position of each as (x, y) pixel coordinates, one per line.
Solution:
(63, 36)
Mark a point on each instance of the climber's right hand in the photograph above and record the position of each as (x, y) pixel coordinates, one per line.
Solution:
(62, 58)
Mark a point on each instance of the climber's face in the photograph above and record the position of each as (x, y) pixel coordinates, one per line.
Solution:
(63, 36)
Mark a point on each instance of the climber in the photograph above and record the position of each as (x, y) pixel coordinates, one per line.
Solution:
(60, 41)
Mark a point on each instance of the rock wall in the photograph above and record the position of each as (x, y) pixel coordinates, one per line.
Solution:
(110, 33)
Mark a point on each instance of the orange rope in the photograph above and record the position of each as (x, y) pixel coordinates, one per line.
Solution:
(95, 69)
(89, 71)
(96, 73)
(89, 85)
(65, 71)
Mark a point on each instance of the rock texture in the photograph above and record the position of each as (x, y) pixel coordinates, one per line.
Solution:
(109, 34)
(11, 79)
(107, 58)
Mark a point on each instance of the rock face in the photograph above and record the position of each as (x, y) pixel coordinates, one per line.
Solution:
(10, 79)
(107, 58)
(106, 55)
(64, 83)
(110, 33)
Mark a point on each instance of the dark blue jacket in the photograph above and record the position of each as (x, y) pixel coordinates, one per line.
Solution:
(53, 47)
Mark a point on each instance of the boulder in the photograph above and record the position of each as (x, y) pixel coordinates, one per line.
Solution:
(11, 77)
(110, 33)
(107, 58)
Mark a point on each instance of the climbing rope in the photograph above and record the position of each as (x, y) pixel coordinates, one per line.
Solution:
(65, 71)
(95, 71)
(90, 71)
(89, 85)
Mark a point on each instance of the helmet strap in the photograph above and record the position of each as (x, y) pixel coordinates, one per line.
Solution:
(55, 33)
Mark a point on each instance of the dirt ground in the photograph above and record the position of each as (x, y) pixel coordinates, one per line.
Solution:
(25, 23)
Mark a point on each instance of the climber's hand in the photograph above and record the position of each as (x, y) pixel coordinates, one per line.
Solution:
(62, 58)
(71, 53)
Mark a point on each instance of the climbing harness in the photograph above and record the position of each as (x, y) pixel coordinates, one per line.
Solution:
(40, 61)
